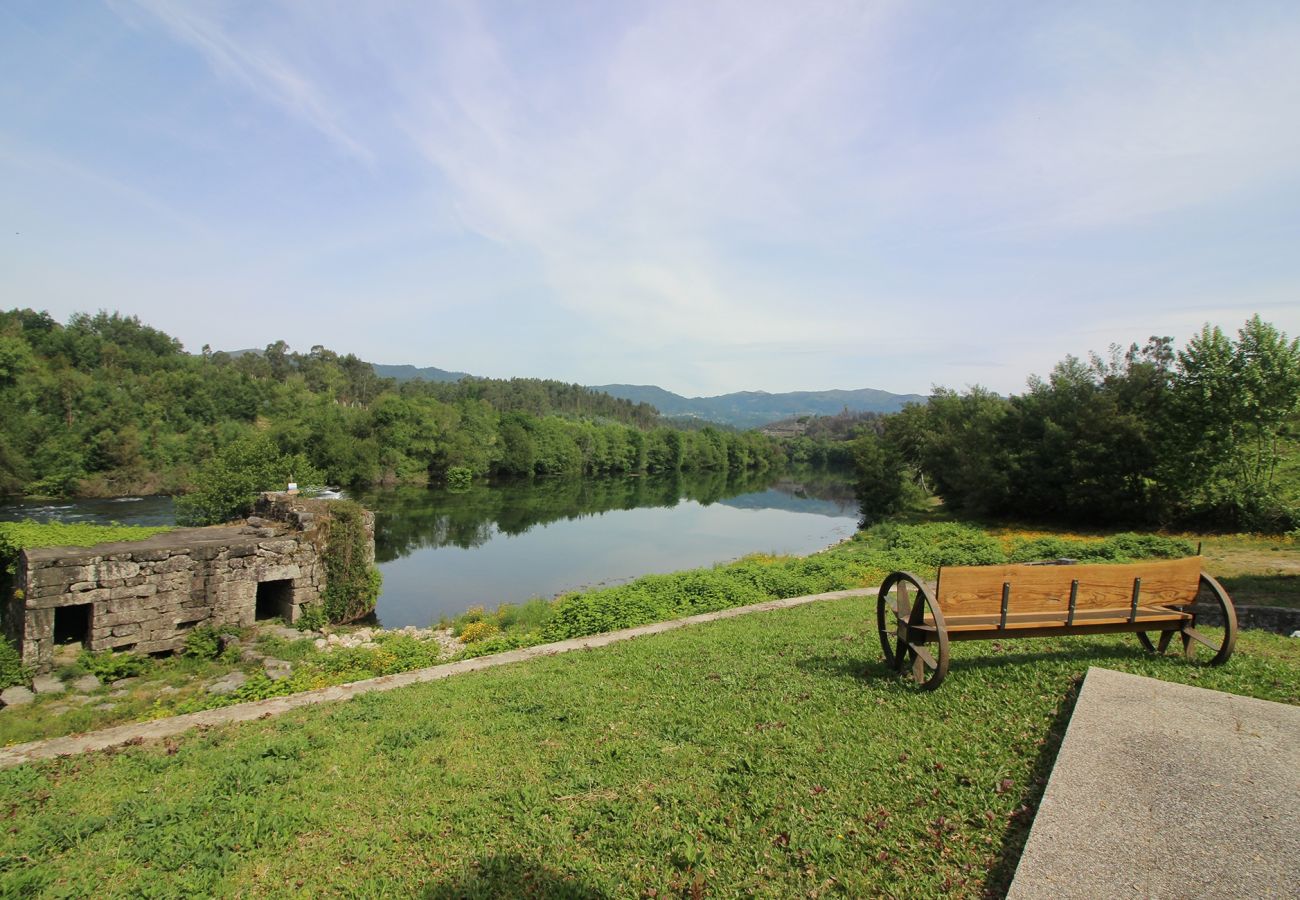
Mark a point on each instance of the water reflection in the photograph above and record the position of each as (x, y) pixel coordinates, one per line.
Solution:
(411, 519)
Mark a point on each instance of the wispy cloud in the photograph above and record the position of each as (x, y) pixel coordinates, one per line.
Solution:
(690, 177)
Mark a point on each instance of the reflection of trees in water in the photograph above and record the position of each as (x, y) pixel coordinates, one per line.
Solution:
(408, 519)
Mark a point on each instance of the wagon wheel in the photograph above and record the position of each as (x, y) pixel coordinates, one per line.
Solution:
(912, 633)
(1211, 605)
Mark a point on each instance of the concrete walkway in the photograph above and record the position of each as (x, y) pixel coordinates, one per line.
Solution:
(262, 709)
(1167, 790)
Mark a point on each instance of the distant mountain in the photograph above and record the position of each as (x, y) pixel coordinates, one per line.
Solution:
(750, 409)
(411, 373)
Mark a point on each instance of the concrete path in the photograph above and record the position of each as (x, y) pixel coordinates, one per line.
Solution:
(1167, 790)
(262, 709)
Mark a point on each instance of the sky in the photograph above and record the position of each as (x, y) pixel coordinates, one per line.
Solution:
(707, 196)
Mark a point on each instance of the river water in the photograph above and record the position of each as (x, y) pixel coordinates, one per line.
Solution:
(442, 552)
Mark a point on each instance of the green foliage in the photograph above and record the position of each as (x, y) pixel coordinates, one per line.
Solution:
(460, 478)
(477, 631)
(311, 617)
(12, 670)
(203, 642)
(1143, 435)
(352, 583)
(107, 665)
(226, 487)
(28, 535)
(106, 405)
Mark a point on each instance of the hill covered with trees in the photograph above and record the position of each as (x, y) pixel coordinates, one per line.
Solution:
(106, 405)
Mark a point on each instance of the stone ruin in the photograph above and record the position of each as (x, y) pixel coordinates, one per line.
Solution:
(147, 595)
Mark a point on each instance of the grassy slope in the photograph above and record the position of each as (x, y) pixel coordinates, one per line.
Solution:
(767, 754)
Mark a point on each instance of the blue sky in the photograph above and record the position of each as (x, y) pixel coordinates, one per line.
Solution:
(706, 196)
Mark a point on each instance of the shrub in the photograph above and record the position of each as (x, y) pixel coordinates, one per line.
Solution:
(311, 617)
(477, 631)
(227, 485)
(12, 670)
(109, 666)
(460, 478)
(203, 642)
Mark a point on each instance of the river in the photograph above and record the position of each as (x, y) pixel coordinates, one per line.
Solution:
(442, 552)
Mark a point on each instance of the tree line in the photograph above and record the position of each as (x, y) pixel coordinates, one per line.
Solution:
(1200, 436)
(105, 405)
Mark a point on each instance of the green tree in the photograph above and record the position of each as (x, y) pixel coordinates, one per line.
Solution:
(227, 485)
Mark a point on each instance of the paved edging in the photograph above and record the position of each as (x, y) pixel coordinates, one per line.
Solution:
(137, 732)
(1167, 790)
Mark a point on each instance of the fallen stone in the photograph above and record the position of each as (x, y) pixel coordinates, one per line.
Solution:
(105, 706)
(121, 692)
(125, 682)
(277, 669)
(229, 684)
(283, 632)
(48, 684)
(248, 654)
(258, 522)
(169, 689)
(86, 683)
(16, 696)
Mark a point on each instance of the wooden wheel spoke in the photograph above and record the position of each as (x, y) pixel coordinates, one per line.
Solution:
(1165, 636)
(918, 669)
(1195, 635)
(923, 654)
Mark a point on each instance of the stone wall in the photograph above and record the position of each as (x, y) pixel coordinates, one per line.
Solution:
(147, 595)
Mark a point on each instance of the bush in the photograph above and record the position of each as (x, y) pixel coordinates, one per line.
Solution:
(12, 670)
(109, 666)
(311, 617)
(225, 488)
(460, 478)
(203, 642)
(477, 631)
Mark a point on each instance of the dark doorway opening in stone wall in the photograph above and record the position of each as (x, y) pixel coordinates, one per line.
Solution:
(274, 599)
(72, 624)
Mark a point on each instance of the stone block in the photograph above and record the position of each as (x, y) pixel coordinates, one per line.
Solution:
(278, 573)
(96, 596)
(62, 576)
(126, 629)
(77, 586)
(117, 568)
(175, 564)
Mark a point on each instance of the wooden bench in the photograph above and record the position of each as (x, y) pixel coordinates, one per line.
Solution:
(972, 603)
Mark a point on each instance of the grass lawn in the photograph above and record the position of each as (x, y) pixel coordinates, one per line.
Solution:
(768, 754)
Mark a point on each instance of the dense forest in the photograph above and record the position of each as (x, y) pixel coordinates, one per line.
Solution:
(1206, 436)
(105, 405)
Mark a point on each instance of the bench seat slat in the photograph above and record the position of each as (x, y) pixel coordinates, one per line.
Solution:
(1153, 615)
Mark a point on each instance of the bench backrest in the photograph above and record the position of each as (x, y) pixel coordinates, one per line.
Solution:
(977, 590)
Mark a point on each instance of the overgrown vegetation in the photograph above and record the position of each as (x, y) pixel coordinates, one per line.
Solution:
(352, 582)
(106, 405)
(1198, 437)
(12, 670)
(768, 755)
(18, 536)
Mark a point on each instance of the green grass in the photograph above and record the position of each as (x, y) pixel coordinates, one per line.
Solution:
(767, 755)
